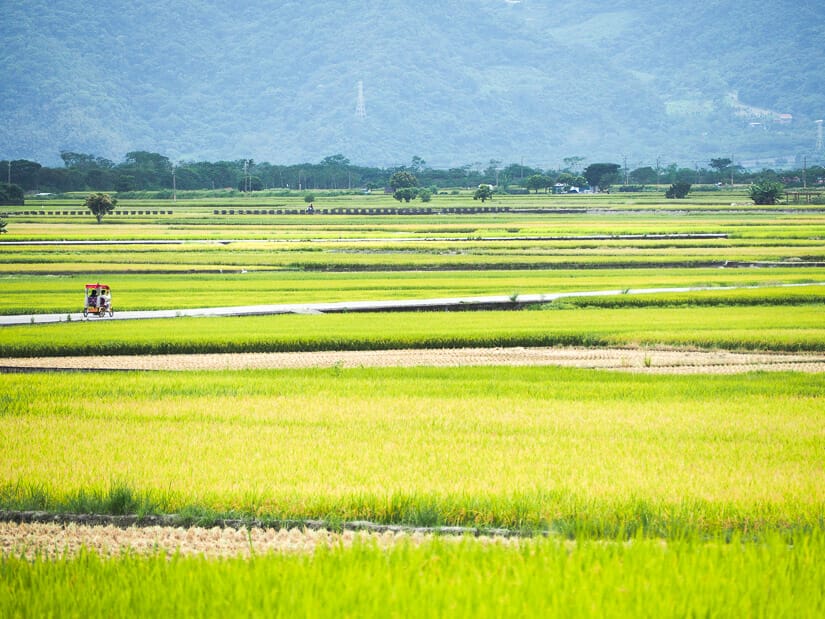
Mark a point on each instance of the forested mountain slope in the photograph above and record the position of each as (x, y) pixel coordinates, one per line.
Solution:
(455, 81)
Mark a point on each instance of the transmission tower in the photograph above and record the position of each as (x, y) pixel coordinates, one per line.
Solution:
(818, 148)
(360, 108)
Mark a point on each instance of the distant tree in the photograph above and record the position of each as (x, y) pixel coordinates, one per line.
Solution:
(765, 192)
(24, 173)
(2, 225)
(253, 183)
(572, 164)
(678, 190)
(426, 195)
(721, 165)
(309, 198)
(536, 182)
(405, 194)
(483, 193)
(125, 182)
(403, 180)
(150, 170)
(566, 178)
(11, 194)
(335, 160)
(100, 204)
(601, 175)
(644, 175)
(417, 165)
(83, 161)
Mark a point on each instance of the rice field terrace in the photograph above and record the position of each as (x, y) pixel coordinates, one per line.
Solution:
(480, 488)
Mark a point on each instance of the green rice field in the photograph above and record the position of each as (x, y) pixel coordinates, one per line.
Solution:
(539, 579)
(626, 494)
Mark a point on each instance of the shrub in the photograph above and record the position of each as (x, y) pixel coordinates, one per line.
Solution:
(678, 190)
(765, 192)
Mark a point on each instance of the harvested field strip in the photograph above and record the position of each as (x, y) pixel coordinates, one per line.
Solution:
(54, 541)
(647, 360)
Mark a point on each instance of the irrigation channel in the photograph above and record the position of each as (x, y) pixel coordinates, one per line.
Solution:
(398, 305)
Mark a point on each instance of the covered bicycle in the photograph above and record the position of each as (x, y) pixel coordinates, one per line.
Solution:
(98, 300)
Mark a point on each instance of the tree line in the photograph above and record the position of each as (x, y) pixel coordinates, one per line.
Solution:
(147, 171)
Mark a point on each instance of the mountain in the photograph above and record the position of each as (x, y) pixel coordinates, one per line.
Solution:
(454, 81)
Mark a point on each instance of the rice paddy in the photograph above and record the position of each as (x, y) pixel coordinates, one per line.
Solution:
(635, 494)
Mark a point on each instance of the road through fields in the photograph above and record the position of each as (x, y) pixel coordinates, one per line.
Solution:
(393, 305)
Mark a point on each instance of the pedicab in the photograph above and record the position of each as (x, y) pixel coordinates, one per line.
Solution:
(98, 300)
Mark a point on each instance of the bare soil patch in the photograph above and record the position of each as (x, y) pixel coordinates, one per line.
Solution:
(646, 360)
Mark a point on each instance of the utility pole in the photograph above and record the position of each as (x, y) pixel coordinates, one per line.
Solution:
(805, 172)
(818, 148)
(731, 170)
(625, 169)
(9, 171)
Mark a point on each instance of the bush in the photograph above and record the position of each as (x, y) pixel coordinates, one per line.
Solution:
(310, 197)
(765, 192)
(678, 190)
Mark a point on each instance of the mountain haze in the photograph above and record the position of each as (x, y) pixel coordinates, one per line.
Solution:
(455, 81)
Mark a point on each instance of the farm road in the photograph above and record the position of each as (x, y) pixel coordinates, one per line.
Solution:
(649, 360)
(483, 302)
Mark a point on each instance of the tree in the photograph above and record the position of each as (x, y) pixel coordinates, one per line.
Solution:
(572, 163)
(645, 175)
(721, 165)
(11, 195)
(23, 172)
(2, 225)
(678, 190)
(601, 175)
(405, 193)
(402, 180)
(100, 204)
(484, 192)
(765, 192)
(252, 183)
(536, 182)
(426, 195)
(418, 164)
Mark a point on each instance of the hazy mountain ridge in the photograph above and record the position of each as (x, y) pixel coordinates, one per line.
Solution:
(452, 81)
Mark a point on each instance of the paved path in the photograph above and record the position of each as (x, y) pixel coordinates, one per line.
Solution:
(483, 302)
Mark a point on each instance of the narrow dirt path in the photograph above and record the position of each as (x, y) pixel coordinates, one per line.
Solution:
(647, 360)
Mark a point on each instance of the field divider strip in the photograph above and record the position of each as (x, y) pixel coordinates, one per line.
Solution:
(173, 520)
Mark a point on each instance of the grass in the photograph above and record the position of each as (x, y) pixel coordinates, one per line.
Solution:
(24, 294)
(581, 453)
(437, 579)
(762, 327)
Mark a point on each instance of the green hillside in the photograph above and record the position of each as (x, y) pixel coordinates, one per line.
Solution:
(454, 81)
